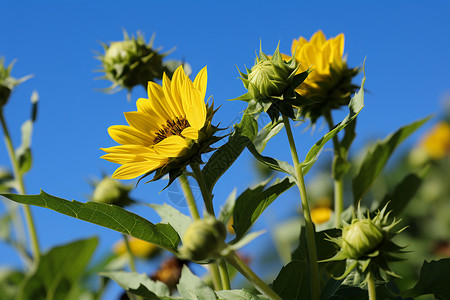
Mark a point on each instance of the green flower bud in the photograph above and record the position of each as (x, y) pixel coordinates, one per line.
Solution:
(111, 191)
(7, 83)
(131, 62)
(203, 240)
(360, 238)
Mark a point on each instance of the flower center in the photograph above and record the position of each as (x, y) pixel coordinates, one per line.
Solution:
(172, 127)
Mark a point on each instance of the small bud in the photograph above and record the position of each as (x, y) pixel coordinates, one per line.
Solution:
(203, 240)
(360, 238)
(111, 191)
(7, 83)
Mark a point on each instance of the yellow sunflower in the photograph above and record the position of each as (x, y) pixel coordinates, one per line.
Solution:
(329, 84)
(168, 129)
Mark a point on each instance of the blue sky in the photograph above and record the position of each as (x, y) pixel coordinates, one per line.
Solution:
(406, 44)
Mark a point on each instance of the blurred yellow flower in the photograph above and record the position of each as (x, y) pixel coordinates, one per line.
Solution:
(437, 142)
(164, 129)
(319, 54)
(138, 247)
(320, 214)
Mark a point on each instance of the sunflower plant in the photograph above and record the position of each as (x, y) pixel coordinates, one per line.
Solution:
(330, 250)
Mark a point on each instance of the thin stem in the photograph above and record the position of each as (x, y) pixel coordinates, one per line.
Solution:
(129, 253)
(189, 197)
(206, 193)
(338, 183)
(310, 235)
(223, 269)
(236, 262)
(215, 275)
(371, 287)
(20, 186)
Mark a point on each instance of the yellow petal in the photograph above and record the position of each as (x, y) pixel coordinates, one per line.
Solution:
(158, 100)
(193, 105)
(171, 103)
(171, 146)
(119, 158)
(133, 170)
(132, 149)
(318, 39)
(201, 81)
(141, 122)
(128, 135)
(190, 133)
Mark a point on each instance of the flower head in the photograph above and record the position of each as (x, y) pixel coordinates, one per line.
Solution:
(437, 142)
(329, 83)
(271, 83)
(367, 245)
(111, 191)
(131, 62)
(169, 130)
(139, 248)
(203, 240)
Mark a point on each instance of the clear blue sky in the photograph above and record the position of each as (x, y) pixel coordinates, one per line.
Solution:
(406, 43)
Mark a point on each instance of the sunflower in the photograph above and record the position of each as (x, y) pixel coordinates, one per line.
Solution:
(329, 85)
(169, 130)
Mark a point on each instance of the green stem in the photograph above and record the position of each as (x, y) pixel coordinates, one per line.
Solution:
(236, 262)
(223, 269)
(218, 276)
(20, 186)
(310, 232)
(338, 183)
(189, 197)
(371, 287)
(129, 253)
(206, 192)
(215, 275)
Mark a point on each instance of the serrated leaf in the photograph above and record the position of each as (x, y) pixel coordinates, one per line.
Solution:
(170, 215)
(355, 106)
(139, 284)
(237, 295)
(434, 279)
(59, 272)
(377, 157)
(293, 281)
(253, 201)
(193, 288)
(109, 216)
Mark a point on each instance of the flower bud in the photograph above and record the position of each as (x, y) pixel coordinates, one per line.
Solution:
(111, 191)
(203, 240)
(139, 248)
(131, 62)
(7, 83)
(360, 238)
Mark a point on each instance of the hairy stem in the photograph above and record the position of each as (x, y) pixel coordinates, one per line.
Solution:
(189, 197)
(20, 186)
(310, 232)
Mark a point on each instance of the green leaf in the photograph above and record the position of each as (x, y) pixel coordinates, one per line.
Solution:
(274, 164)
(139, 284)
(193, 288)
(253, 201)
(109, 216)
(403, 193)
(59, 272)
(226, 211)
(170, 215)
(293, 281)
(226, 155)
(266, 133)
(355, 106)
(237, 295)
(9, 283)
(377, 157)
(434, 279)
